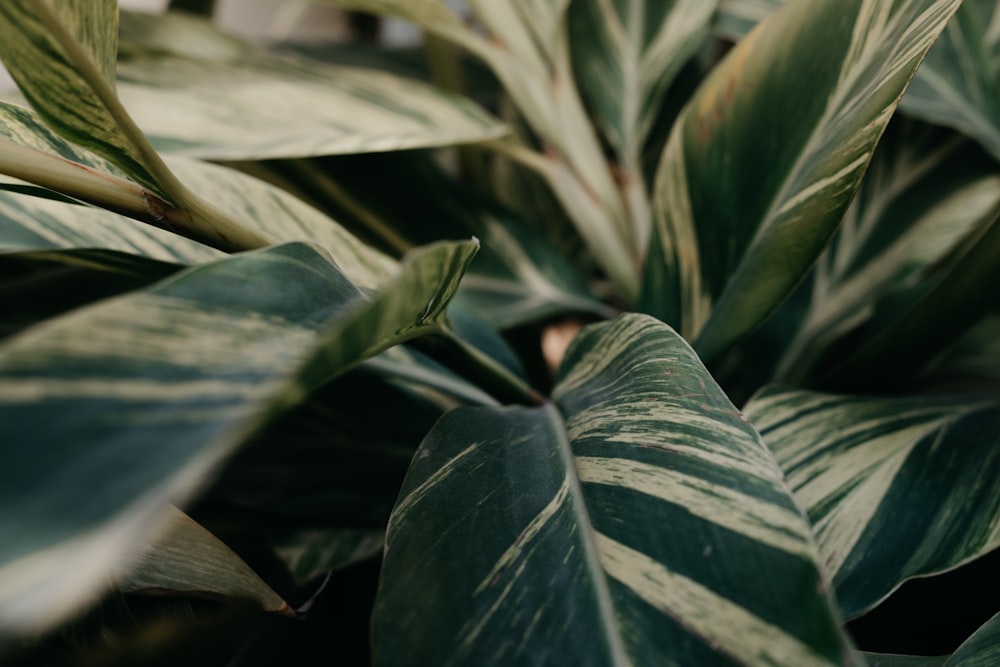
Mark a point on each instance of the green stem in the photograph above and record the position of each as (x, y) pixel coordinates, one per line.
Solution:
(176, 207)
(476, 367)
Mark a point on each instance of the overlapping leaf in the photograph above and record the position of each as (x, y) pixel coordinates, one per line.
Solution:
(735, 18)
(764, 160)
(113, 410)
(42, 223)
(637, 520)
(625, 57)
(959, 83)
(290, 107)
(894, 488)
(926, 191)
(62, 54)
(517, 277)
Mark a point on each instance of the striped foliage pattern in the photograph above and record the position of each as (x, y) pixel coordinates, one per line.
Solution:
(959, 83)
(62, 54)
(627, 54)
(926, 193)
(158, 386)
(290, 107)
(732, 239)
(35, 223)
(894, 488)
(637, 520)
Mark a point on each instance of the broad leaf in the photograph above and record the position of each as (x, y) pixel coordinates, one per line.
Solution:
(894, 488)
(141, 396)
(637, 520)
(186, 559)
(959, 83)
(42, 223)
(36, 285)
(807, 94)
(926, 191)
(290, 107)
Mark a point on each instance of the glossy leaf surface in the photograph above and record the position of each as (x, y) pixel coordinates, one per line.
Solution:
(637, 520)
(894, 488)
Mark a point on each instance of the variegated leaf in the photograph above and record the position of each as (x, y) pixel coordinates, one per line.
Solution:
(926, 191)
(518, 276)
(625, 56)
(142, 395)
(959, 83)
(37, 285)
(637, 520)
(763, 162)
(290, 107)
(62, 54)
(735, 18)
(186, 559)
(894, 488)
(314, 552)
(33, 223)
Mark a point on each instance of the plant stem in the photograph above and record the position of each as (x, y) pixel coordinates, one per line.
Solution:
(118, 195)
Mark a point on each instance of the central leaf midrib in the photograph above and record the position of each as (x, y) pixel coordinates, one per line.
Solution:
(591, 555)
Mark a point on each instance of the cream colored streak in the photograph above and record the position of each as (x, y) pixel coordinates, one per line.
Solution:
(779, 527)
(418, 493)
(515, 550)
(815, 187)
(723, 624)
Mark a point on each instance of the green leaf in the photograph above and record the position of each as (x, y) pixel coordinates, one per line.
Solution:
(36, 285)
(291, 107)
(895, 488)
(735, 18)
(141, 396)
(981, 649)
(637, 520)
(959, 83)
(926, 192)
(30, 223)
(62, 54)
(314, 552)
(186, 559)
(518, 276)
(807, 94)
(626, 55)
(942, 308)
(891, 660)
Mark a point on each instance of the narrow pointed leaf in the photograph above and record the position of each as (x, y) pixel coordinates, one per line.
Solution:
(142, 395)
(911, 489)
(959, 83)
(312, 553)
(186, 559)
(603, 529)
(733, 239)
(62, 54)
(925, 193)
(625, 56)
